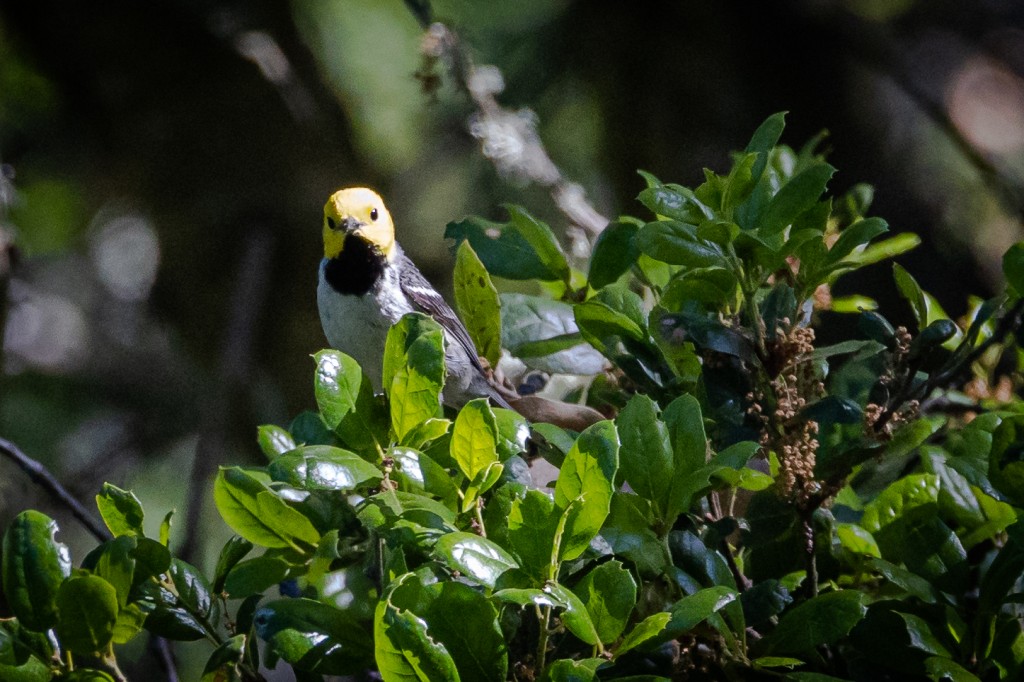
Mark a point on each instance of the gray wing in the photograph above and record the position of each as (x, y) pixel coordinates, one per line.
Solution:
(426, 299)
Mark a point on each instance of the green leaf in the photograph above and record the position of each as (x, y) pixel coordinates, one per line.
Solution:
(1013, 268)
(532, 524)
(478, 303)
(474, 556)
(426, 433)
(34, 565)
(609, 594)
(336, 385)
(508, 254)
(314, 637)
(911, 291)
(575, 615)
(222, 666)
(475, 438)
(417, 472)
(905, 495)
(88, 611)
(253, 576)
(689, 445)
(615, 251)
(567, 670)
(116, 565)
(192, 588)
(233, 551)
(322, 467)
(513, 433)
(911, 583)
(798, 195)
(921, 636)
(942, 669)
(676, 203)
(677, 243)
(526, 320)
(856, 540)
(165, 528)
(645, 630)
(853, 237)
(259, 515)
(823, 620)
(121, 510)
(541, 239)
(764, 138)
(443, 631)
(693, 609)
(414, 371)
(628, 531)
(586, 480)
(131, 619)
(646, 454)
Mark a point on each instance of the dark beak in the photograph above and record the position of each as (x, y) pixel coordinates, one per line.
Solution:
(350, 224)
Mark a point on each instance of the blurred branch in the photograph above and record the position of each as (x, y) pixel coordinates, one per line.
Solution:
(246, 302)
(877, 49)
(42, 477)
(508, 138)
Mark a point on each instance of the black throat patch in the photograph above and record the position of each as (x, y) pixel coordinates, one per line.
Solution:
(356, 269)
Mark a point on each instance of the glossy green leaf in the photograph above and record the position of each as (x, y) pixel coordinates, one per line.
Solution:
(222, 666)
(943, 669)
(689, 445)
(233, 551)
(853, 237)
(477, 302)
(259, 515)
(425, 433)
(798, 195)
(116, 565)
(857, 540)
(414, 371)
(574, 615)
(121, 510)
(677, 243)
(823, 620)
(675, 202)
(541, 239)
(532, 524)
(628, 531)
(910, 582)
(911, 291)
(615, 251)
(695, 608)
(336, 385)
(527, 320)
(513, 433)
(921, 636)
(646, 455)
(314, 637)
(763, 140)
(253, 576)
(645, 630)
(901, 498)
(88, 611)
(475, 557)
(273, 440)
(504, 250)
(568, 670)
(586, 481)
(34, 566)
(609, 594)
(322, 467)
(475, 438)
(417, 472)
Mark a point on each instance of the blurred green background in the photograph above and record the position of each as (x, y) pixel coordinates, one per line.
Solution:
(166, 164)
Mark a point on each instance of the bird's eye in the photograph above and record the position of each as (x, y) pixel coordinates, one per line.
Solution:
(373, 214)
(330, 222)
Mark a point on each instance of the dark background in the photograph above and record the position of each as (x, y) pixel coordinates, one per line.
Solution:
(167, 163)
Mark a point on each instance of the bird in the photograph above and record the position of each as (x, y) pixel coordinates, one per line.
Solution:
(367, 283)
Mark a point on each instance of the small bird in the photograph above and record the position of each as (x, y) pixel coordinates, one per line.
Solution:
(367, 284)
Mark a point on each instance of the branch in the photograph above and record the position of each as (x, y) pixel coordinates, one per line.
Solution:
(42, 477)
(508, 138)
(236, 358)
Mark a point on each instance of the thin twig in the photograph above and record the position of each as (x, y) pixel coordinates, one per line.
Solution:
(42, 477)
(161, 650)
(508, 138)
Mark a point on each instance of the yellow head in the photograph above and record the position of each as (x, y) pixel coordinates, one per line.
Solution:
(360, 212)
